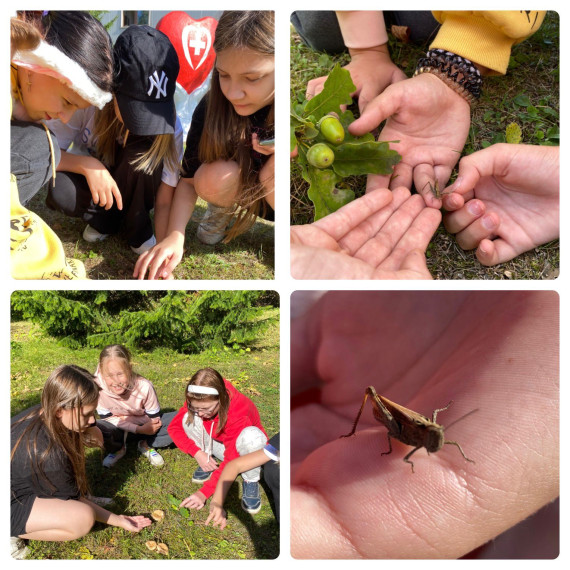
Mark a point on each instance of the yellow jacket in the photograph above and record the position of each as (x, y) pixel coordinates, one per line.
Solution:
(485, 37)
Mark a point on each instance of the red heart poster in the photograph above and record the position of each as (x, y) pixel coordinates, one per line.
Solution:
(193, 41)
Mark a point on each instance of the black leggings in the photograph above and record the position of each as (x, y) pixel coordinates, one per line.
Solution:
(70, 195)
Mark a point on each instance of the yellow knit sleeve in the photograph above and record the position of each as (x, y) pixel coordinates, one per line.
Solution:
(485, 37)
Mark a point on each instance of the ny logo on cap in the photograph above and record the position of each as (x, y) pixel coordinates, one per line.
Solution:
(160, 84)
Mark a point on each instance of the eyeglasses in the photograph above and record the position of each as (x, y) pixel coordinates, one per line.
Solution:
(204, 411)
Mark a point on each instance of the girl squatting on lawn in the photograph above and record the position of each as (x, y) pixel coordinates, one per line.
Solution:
(60, 62)
(125, 158)
(128, 405)
(49, 491)
(225, 163)
(218, 423)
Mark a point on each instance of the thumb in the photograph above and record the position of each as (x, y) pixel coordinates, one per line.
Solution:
(380, 108)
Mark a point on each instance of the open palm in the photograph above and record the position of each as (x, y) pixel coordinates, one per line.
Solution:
(494, 351)
(382, 235)
(428, 123)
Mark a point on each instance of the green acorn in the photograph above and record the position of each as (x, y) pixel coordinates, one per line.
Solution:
(331, 129)
(320, 155)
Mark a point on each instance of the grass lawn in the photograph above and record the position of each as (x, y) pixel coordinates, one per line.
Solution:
(136, 486)
(249, 256)
(528, 95)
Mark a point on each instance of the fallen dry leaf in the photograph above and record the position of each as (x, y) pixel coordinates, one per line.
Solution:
(157, 515)
(161, 548)
(151, 544)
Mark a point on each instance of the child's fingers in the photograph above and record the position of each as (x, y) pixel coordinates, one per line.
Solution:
(460, 219)
(118, 198)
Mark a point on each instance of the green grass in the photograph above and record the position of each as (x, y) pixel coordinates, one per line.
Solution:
(249, 256)
(139, 488)
(528, 95)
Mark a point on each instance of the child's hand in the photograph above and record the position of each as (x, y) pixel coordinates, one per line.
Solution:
(205, 461)
(262, 149)
(194, 501)
(132, 524)
(150, 428)
(102, 185)
(161, 260)
(217, 515)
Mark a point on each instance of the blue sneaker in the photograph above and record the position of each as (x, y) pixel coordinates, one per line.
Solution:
(251, 499)
(201, 476)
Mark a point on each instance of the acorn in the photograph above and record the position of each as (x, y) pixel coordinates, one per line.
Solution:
(320, 155)
(331, 129)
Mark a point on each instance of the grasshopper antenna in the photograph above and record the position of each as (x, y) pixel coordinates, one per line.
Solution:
(462, 417)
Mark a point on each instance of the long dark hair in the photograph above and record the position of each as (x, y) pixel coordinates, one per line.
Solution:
(227, 135)
(69, 387)
(81, 37)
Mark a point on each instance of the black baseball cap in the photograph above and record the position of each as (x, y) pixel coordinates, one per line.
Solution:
(146, 68)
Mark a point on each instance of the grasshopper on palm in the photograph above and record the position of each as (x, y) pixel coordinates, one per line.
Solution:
(407, 426)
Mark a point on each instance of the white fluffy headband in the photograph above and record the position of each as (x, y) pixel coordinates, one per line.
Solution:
(192, 389)
(49, 60)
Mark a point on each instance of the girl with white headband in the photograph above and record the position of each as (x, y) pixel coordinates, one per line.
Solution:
(67, 67)
(217, 424)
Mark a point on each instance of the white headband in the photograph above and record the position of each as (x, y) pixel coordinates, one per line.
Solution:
(192, 389)
(49, 60)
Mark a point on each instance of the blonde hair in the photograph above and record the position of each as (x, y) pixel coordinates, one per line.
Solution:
(108, 128)
(121, 353)
(212, 379)
(69, 387)
(227, 135)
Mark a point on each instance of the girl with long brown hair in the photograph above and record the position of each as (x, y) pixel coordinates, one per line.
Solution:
(49, 489)
(229, 158)
(215, 425)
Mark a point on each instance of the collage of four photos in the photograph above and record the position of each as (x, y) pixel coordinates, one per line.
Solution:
(400, 323)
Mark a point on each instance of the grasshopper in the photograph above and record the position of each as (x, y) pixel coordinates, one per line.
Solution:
(435, 189)
(407, 426)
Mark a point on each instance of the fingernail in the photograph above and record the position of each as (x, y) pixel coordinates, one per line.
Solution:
(458, 183)
(474, 207)
(488, 222)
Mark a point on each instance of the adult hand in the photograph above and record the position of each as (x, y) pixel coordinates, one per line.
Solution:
(505, 201)
(194, 501)
(429, 123)
(421, 350)
(161, 260)
(217, 515)
(102, 185)
(371, 71)
(132, 524)
(382, 235)
(205, 461)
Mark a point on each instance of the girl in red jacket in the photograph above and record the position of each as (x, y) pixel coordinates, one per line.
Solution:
(217, 424)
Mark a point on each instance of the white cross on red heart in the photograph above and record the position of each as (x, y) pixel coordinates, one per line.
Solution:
(193, 41)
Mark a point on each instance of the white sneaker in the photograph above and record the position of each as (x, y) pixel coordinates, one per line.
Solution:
(112, 458)
(149, 452)
(91, 235)
(212, 228)
(18, 548)
(148, 244)
(101, 501)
